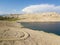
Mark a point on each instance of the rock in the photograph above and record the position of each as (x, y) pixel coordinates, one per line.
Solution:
(16, 35)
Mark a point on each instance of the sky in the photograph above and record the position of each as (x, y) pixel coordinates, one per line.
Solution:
(28, 6)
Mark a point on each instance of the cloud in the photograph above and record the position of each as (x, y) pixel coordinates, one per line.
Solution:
(41, 8)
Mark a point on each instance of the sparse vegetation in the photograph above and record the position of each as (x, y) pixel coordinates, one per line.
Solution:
(8, 18)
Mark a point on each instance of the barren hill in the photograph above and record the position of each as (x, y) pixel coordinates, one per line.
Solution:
(41, 17)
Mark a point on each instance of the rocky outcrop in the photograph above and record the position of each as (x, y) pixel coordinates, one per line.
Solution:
(16, 35)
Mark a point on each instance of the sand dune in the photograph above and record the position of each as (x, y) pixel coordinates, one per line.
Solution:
(11, 33)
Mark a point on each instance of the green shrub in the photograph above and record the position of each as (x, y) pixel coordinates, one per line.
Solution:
(8, 18)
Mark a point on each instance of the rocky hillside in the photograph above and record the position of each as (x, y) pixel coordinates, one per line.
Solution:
(37, 17)
(41, 17)
(11, 33)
